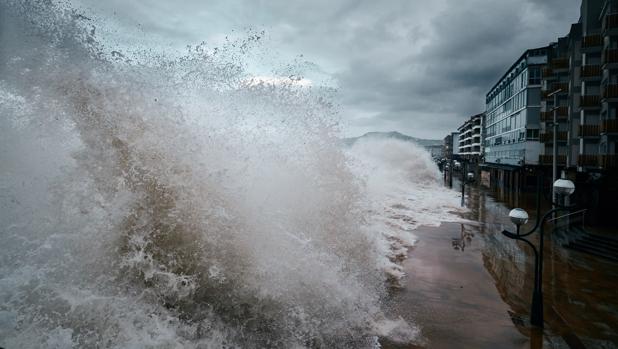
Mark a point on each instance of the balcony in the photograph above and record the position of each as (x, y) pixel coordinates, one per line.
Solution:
(548, 73)
(562, 114)
(610, 91)
(611, 21)
(548, 137)
(592, 43)
(547, 159)
(587, 131)
(610, 56)
(559, 64)
(590, 102)
(589, 72)
(609, 126)
(588, 160)
(608, 161)
(562, 86)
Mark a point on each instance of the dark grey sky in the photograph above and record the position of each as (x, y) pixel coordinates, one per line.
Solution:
(418, 67)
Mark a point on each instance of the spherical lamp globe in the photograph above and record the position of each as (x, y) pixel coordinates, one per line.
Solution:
(564, 187)
(518, 216)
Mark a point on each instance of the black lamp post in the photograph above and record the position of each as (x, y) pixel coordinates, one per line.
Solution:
(562, 187)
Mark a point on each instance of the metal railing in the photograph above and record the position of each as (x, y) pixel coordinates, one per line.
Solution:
(590, 101)
(560, 63)
(588, 160)
(609, 126)
(590, 70)
(589, 131)
(575, 218)
(610, 91)
(594, 40)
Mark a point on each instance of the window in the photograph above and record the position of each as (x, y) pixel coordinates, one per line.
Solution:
(535, 76)
(532, 134)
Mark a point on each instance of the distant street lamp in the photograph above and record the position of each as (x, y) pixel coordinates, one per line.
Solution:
(468, 178)
(555, 140)
(563, 188)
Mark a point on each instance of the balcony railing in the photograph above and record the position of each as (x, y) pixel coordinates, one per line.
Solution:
(588, 160)
(560, 63)
(610, 56)
(562, 113)
(611, 21)
(588, 71)
(547, 116)
(547, 159)
(589, 130)
(562, 86)
(590, 101)
(549, 136)
(608, 161)
(547, 72)
(609, 126)
(592, 41)
(610, 91)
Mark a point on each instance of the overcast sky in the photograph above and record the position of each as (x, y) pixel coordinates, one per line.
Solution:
(418, 67)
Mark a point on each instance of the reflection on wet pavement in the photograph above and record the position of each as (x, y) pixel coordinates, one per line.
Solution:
(470, 287)
(464, 239)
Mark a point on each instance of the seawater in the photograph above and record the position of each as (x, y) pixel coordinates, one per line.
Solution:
(157, 202)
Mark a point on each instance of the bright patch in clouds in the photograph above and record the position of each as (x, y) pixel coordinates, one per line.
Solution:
(278, 80)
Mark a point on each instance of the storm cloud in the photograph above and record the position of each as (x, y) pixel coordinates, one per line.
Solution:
(418, 67)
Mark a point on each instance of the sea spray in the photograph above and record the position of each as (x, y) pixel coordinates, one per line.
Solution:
(403, 189)
(155, 202)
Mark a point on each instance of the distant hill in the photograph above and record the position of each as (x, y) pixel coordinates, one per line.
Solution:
(395, 135)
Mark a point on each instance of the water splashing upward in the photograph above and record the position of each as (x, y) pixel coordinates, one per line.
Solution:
(172, 203)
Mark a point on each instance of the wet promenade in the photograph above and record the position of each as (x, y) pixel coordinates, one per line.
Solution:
(467, 286)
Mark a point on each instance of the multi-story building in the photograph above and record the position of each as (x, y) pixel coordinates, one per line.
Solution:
(455, 144)
(448, 146)
(471, 137)
(563, 99)
(585, 149)
(556, 94)
(451, 145)
(578, 117)
(583, 67)
(609, 86)
(512, 120)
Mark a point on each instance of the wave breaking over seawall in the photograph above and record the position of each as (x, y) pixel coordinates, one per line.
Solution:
(155, 202)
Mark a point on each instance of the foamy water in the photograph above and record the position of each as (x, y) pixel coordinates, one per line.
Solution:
(162, 203)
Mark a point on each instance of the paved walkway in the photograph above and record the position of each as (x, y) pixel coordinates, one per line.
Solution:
(467, 286)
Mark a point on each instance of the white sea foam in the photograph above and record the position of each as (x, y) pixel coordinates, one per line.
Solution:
(169, 203)
(404, 192)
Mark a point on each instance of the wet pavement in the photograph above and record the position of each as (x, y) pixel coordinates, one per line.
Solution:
(467, 286)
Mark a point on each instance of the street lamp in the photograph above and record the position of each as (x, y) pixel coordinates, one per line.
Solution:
(561, 187)
(468, 178)
(554, 165)
(564, 187)
(519, 217)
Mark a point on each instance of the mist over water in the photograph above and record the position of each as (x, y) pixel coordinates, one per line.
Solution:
(157, 202)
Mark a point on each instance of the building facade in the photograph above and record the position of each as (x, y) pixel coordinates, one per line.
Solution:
(512, 121)
(451, 145)
(471, 137)
(583, 73)
(562, 99)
